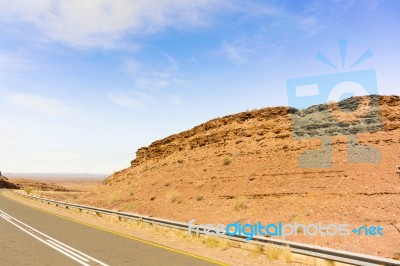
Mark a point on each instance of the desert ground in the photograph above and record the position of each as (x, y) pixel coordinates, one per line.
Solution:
(245, 168)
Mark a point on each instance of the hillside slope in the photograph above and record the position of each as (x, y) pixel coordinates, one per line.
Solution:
(245, 168)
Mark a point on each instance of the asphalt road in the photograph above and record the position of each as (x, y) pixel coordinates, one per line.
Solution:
(32, 237)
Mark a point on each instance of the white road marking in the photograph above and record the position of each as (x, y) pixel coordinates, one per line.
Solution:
(7, 216)
(54, 247)
(4, 217)
(66, 250)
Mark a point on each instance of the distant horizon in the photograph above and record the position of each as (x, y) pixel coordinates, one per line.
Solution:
(55, 175)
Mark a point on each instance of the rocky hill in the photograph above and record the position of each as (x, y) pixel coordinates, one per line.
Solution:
(5, 183)
(246, 167)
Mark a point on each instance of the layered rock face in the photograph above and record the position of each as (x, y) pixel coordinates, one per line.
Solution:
(246, 167)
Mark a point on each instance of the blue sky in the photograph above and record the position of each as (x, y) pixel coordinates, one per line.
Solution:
(85, 83)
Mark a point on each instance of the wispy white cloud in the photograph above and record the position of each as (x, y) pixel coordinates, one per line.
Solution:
(12, 66)
(310, 24)
(8, 60)
(132, 66)
(148, 79)
(174, 100)
(103, 23)
(315, 16)
(134, 100)
(273, 26)
(149, 76)
(45, 105)
(257, 8)
(236, 53)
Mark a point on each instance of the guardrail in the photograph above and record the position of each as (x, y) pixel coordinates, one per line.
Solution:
(298, 248)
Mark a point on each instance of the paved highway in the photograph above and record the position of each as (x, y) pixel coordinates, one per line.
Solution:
(31, 237)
